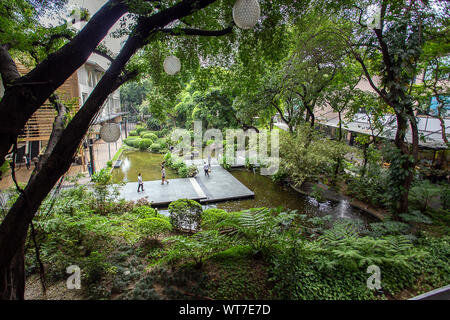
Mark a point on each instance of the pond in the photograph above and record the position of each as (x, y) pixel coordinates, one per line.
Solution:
(267, 193)
(146, 163)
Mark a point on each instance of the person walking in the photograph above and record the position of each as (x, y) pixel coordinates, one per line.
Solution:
(140, 183)
(28, 161)
(90, 169)
(163, 176)
(206, 168)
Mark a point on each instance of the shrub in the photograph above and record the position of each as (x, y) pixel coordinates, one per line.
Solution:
(139, 129)
(143, 132)
(153, 124)
(155, 147)
(109, 163)
(129, 141)
(178, 164)
(185, 214)
(192, 171)
(103, 189)
(168, 159)
(144, 212)
(153, 227)
(162, 133)
(422, 193)
(149, 135)
(162, 142)
(5, 167)
(183, 171)
(133, 133)
(212, 217)
(259, 227)
(196, 247)
(144, 144)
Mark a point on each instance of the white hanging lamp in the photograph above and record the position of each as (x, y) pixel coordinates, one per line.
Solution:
(172, 65)
(110, 132)
(246, 13)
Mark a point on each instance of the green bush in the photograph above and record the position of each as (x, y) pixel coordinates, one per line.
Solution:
(185, 214)
(212, 217)
(423, 193)
(183, 171)
(153, 124)
(133, 133)
(259, 227)
(197, 247)
(168, 159)
(178, 164)
(163, 132)
(149, 135)
(162, 142)
(143, 132)
(153, 227)
(155, 147)
(139, 129)
(136, 142)
(192, 171)
(144, 144)
(129, 141)
(144, 212)
(5, 166)
(109, 164)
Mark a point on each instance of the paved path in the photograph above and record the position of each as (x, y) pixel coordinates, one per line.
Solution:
(219, 186)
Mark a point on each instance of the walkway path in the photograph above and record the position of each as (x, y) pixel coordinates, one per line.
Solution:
(219, 186)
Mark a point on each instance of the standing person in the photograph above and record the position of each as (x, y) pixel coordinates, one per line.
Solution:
(140, 183)
(28, 161)
(163, 176)
(206, 168)
(90, 169)
(209, 161)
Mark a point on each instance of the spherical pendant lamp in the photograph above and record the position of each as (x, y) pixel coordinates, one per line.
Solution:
(110, 132)
(172, 65)
(246, 13)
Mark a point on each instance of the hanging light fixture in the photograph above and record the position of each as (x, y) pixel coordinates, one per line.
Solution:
(246, 13)
(110, 132)
(172, 65)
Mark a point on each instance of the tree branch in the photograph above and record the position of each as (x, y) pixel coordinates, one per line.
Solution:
(8, 68)
(197, 32)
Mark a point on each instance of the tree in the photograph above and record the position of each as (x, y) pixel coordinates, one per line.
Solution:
(340, 95)
(435, 68)
(391, 50)
(316, 60)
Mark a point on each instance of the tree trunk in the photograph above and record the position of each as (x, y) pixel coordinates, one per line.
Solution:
(443, 132)
(340, 127)
(12, 276)
(405, 182)
(365, 156)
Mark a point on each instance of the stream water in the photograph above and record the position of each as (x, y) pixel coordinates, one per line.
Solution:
(267, 193)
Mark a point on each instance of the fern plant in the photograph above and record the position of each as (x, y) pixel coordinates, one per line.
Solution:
(258, 228)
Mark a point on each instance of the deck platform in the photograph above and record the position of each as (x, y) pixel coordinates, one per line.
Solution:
(219, 186)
